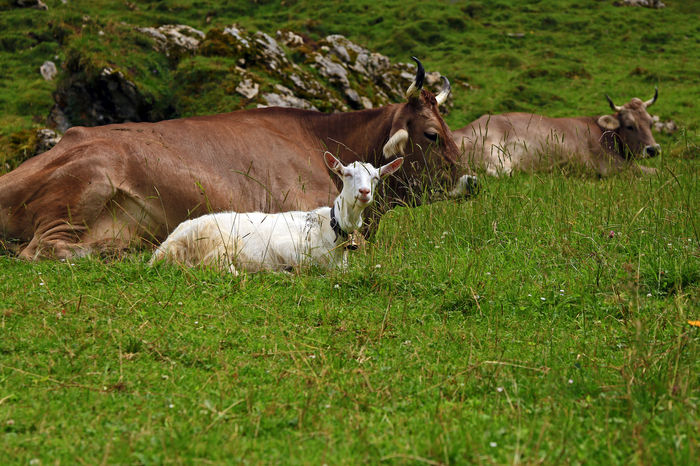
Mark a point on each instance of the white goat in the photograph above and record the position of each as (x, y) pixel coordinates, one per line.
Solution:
(259, 241)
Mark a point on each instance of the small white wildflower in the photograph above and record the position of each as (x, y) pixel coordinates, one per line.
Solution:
(34, 461)
(63, 260)
(171, 406)
(670, 244)
(561, 291)
(179, 303)
(336, 286)
(72, 263)
(41, 283)
(488, 273)
(445, 233)
(196, 322)
(326, 406)
(10, 422)
(312, 356)
(493, 444)
(39, 273)
(529, 295)
(543, 299)
(378, 266)
(164, 377)
(571, 381)
(499, 389)
(648, 295)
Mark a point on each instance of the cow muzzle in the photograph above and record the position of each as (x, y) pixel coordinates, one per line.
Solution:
(652, 151)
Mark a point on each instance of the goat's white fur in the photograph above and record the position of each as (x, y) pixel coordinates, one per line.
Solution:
(259, 241)
(396, 145)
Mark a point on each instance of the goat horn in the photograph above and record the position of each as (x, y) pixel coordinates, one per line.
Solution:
(612, 105)
(444, 92)
(650, 102)
(417, 83)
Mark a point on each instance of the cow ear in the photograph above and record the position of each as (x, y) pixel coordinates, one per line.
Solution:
(390, 167)
(333, 164)
(608, 122)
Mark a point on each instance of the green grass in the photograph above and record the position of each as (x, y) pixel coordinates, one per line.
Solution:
(460, 347)
(512, 320)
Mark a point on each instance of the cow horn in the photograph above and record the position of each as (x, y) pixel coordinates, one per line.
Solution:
(649, 103)
(417, 83)
(612, 105)
(444, 92)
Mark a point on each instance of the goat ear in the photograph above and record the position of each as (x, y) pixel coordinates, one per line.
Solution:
(609, 122)
(333, 163)
(390, 167)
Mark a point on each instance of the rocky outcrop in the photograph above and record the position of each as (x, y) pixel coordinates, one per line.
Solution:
(289, 70)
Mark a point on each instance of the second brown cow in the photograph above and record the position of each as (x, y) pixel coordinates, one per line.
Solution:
(500, 144)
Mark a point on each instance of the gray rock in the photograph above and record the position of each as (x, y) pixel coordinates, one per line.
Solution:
(290, 39)
(48, 70)
(248, 88)
(45, 139)
(335, 72)
(172, 38)
(285, 98)
(238, 35)
(270, 52)
(645, 3)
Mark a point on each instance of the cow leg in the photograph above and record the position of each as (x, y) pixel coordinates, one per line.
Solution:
(125, 221)
(60, 241)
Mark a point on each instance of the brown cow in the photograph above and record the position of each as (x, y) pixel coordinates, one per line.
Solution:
(109, 187)
(524, 141)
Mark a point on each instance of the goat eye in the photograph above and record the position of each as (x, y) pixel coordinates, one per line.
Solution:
(431, 136)
(630, 128)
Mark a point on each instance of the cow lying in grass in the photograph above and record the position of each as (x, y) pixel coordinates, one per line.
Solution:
(260, 241)
(605, 144)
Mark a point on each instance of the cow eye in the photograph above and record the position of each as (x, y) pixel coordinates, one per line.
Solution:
(630, 127)
(432, 136)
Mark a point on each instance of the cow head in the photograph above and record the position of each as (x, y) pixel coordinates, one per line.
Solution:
(631, 124)
(419, 134)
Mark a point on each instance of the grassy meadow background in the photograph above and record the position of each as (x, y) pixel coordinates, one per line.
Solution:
(544, 320)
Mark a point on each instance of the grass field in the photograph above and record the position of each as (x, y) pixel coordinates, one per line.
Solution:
(544, 320)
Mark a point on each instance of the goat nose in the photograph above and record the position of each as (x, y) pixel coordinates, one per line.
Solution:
(652, 151)
(364, 191)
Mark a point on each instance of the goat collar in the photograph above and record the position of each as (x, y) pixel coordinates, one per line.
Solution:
(339, 232)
